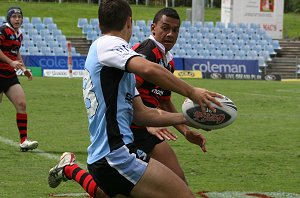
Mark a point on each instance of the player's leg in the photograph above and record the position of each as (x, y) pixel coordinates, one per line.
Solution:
(163, 153)
(157, 149)
(16, 95)
(160, 182)
(67, 169)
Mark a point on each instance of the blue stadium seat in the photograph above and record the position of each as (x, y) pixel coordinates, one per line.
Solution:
(227, 31)
(232, 25)
(49, 38)
(51, 27)
(82, 22)
(58, 51)
(56, 32)
(40, 44)
(228, 54)
(220, 25)
(243, 26)
(209, 24)
(27, 26)
(198, 36)
(276, 44)
(36, 20)
(92, 35)
(186, 24)
(47, 20)
(239, 31)
(44, 32)
(52, 44)
(265, 55)
(39, 26)
(192, 30)
(46, 51)
(60, 38)
(140, 23)
(182, 53)
(34, 51)
(94, 22)
(87, 28)
(28, 43)
(26, 20)
(23, 51)
(198, 24)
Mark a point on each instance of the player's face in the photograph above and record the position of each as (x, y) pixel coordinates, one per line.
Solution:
(16, 20)
(166, 31)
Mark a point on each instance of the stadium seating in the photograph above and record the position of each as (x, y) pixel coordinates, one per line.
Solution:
(42, 34)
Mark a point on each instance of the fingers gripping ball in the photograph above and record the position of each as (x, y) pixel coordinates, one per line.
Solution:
(223, 116)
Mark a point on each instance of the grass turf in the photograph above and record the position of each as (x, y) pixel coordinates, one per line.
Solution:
(259, 152)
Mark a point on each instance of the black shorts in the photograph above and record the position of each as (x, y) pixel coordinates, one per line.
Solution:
(144, 140)
(120, 170)
(6, 83)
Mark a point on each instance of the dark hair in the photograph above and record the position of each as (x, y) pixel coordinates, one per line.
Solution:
(112, 15)
(11, 11)
(169, 12)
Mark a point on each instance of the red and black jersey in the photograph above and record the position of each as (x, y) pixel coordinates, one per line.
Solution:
(10, 43)
(150, 93)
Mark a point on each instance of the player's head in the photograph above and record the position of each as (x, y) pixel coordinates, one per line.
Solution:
(113, 15)
(165, 27)
(14, 17)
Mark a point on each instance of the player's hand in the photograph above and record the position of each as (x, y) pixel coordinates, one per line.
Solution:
(196, 138)
(17, 64)
(27, 73)
(162, 133)
(204, 98)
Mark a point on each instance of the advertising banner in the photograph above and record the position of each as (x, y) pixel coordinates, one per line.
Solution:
(54, 62)
(270, 77)
(187, 74)
(267, 13)
(222, 66)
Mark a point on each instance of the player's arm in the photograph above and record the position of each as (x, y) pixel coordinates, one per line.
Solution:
(192, 136)
(26, 72)
(15, 64)
(145, 116)
(158, 75)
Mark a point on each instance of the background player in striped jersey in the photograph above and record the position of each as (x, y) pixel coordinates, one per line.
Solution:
(10, 61)
(165, 30)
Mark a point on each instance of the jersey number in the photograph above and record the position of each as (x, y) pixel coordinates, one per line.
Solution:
(89, 96)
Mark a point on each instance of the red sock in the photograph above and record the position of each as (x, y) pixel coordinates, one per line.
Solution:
(82, 177)
(22, 125)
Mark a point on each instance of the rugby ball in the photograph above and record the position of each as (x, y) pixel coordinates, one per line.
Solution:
(210, 120)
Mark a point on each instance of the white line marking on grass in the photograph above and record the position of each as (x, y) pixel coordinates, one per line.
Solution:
(70, 195)
(35, 151)
(228, 194)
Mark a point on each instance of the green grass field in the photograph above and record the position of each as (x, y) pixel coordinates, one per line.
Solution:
(259, 152)
(66, 15)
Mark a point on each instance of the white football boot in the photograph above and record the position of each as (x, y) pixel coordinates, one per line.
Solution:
(56, 174)
(28, 145)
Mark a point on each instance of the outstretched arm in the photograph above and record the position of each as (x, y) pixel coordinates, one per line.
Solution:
(158, 75)
(145, 116)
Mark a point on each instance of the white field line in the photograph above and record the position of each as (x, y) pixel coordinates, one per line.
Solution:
(36, 151)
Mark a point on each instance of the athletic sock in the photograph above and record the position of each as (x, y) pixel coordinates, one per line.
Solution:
(22, 125)
(82, 177)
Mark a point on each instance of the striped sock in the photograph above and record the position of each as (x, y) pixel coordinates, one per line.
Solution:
(82, 177)
(22, 125)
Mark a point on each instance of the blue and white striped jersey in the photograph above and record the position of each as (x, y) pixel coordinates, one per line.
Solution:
(108, 91)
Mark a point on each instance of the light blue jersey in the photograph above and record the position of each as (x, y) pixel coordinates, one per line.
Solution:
(108, 91)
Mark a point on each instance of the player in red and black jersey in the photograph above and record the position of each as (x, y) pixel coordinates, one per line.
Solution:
(10, 61)
(156, 48)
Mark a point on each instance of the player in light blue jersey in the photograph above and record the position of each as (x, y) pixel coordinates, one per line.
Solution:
(113, 103)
